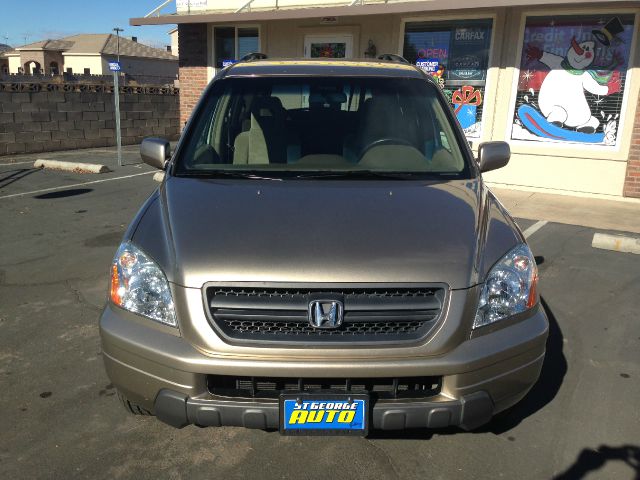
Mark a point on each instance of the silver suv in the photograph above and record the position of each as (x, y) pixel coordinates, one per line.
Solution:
(323, 257)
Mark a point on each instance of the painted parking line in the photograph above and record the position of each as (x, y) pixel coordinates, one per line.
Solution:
(8, 164)
(534, 228)
(62, 187)
(617, 243)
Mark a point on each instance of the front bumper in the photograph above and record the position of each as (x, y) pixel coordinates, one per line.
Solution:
(468, 412)
(156, 368)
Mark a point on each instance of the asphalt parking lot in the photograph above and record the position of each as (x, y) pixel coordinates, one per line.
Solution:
(61, 418)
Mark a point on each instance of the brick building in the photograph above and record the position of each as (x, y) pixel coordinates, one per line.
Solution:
(558, 79)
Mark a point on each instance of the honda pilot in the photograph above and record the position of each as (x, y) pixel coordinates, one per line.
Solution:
(323, 257)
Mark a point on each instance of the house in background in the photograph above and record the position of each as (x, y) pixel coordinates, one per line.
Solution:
(4, 61)
(558, 79)
(175, 48)
(90, 54)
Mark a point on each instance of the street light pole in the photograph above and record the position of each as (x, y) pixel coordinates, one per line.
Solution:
(118, 30)
(116, 96)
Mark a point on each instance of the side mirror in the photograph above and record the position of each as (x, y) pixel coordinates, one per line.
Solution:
(155, 152)
(493, 155)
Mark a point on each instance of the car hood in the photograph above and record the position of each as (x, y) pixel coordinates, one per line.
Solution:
(325, 231)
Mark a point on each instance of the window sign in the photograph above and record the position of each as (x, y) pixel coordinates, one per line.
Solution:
(456, 54)
(572, 79)
(469, 52)
(429, 66)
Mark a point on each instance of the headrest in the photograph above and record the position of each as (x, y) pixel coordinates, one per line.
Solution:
(266, 106)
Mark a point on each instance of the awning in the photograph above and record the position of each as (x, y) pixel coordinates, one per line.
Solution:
(348, 10)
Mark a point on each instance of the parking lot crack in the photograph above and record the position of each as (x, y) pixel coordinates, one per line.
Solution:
(386, 456)
(79, 299)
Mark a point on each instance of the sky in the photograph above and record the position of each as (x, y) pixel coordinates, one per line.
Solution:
(27, 21)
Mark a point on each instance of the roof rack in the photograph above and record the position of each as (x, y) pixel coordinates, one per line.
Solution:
(250, 57)
(392, 57)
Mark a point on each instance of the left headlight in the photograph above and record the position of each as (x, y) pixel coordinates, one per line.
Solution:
(510, 287)
(139, 285)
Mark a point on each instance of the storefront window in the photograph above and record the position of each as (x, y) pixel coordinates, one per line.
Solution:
(456, 54)
(572, 79)
(248, 41)
(231, 44)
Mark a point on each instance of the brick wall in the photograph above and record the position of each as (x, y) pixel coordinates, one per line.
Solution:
(192, 71)
(632, 179)
(32, 122)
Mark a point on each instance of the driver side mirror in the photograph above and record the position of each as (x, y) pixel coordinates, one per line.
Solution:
(493, 155)
(155, 151)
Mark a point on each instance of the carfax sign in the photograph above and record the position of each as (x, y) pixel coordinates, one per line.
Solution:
(469, 53)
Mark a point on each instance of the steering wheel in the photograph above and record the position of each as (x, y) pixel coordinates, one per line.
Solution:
(384, 141)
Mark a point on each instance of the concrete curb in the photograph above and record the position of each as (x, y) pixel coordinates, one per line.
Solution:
(75, 167)
(617, 243)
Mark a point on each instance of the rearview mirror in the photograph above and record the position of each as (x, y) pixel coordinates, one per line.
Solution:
(155, 152)
(493, 155)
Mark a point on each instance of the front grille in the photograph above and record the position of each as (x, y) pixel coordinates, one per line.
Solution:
(272, 387)
(281, 314)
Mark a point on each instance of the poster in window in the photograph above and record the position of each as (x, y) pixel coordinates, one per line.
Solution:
(456, 55)
(572, 79)
(469, 53)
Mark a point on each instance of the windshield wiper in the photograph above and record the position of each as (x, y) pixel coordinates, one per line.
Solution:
(230, 174)
(355, 174)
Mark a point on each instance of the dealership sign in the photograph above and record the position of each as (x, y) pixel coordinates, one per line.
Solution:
(429, 66)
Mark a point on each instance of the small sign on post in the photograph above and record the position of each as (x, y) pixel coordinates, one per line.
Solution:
(115, 68)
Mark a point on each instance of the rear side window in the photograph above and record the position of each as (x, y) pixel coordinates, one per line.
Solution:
(325, 124)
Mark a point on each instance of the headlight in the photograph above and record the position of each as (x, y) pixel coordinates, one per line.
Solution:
(138, 285)
(510, 287)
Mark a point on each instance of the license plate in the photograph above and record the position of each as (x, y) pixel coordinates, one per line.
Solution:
(324, 414)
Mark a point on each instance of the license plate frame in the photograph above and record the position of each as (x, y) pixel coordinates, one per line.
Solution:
(321, 428)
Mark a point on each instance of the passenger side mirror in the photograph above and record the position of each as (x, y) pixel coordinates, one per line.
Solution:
(155, 152)
(493, 155)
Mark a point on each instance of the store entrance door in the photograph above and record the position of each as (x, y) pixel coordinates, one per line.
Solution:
(328, 46)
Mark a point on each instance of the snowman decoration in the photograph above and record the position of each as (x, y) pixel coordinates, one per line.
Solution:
(561, 98)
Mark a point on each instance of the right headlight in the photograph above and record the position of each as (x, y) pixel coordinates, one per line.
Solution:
(510, 287)
(139, 285)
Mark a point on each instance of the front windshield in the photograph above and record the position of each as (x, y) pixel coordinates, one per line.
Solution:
(278, 126)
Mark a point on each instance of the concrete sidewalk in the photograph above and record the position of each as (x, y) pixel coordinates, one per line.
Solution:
(588, 212)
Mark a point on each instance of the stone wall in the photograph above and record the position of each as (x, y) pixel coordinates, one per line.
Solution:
(632, 178)
(41, 121)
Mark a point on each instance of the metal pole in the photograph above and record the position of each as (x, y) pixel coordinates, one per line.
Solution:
(118, 30)
(116, 98)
